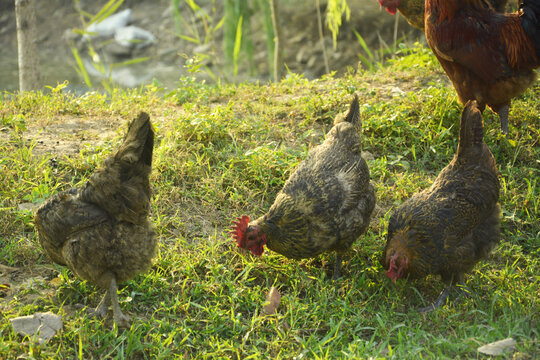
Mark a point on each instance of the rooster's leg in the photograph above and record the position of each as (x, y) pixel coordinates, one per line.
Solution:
(503, 115)
(439, 302)
(337, 267)
(101, 309)
(121, 320)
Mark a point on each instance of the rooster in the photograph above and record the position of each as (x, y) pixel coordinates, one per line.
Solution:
(488, 56)
(449, 227)
(413, 10)
(325, 205)
(101, 231)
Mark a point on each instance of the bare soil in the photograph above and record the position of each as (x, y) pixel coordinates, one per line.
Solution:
(302, 50)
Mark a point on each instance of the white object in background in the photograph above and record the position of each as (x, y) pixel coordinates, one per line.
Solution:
(108, 26)
(133, 37)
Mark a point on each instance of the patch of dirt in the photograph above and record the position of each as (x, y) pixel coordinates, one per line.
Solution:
(26, 284)
(66, 135)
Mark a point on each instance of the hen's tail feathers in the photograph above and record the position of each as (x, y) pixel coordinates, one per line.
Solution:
(529, 11)
(471, 132)
(353, 116)
(138, 144)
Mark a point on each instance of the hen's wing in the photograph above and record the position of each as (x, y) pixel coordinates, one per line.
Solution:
(64, 216)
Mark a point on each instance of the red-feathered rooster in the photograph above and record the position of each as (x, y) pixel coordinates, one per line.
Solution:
(449, 227)
(488, 56)
(414, 10)
(325, 205)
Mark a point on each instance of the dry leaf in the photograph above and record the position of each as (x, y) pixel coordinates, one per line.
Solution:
(44, 325)
(272, 301)
(56, 282)
(498, 347)
(4, 289)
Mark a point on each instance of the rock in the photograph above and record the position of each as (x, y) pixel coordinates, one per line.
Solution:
(108, 26)
(498, 347)
(133, 37)
(43, 325)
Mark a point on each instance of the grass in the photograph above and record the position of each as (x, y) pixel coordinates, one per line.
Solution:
(223, 151)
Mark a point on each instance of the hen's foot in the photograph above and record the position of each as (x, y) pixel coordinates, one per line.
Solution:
(101, 309)
(122, 321)
(438, 303)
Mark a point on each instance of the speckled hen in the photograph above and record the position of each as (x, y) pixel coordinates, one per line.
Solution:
(101, 231)
(325, 205)
(446, 229)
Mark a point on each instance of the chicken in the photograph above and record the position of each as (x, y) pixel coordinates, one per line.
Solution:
(489, 57)
(325, 205)
(449, 227)
(413, 10)
(101, 231)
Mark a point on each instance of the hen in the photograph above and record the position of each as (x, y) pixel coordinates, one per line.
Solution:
(101, 231)
(449, 227)
(325, 205)
(413, 10)
(489, 57)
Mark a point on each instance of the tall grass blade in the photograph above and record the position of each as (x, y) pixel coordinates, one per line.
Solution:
(80, 67)
(237, 44)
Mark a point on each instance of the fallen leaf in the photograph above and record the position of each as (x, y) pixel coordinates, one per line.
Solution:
(56, 282)
(498, 347)
(4, 289)
(27, 206)
(43, 325)
(272, 301)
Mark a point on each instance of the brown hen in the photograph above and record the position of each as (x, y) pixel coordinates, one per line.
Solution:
(101, 231)
(325, 205)
(449, 227)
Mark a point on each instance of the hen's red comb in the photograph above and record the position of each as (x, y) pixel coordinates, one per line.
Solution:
(238, 230)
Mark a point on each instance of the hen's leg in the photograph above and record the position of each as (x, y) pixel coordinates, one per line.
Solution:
(121, 320)
(503, 115)
(439, 302)
(337, 267)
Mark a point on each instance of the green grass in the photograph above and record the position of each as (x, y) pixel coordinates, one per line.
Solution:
(226, 150)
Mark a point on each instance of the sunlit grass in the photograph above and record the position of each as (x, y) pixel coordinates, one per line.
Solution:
(222, 151)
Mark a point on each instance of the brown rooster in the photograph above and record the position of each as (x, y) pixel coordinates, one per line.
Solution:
(489, 57)
(101, 231)
(449, 227)
(413, 10)
(325, 205)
